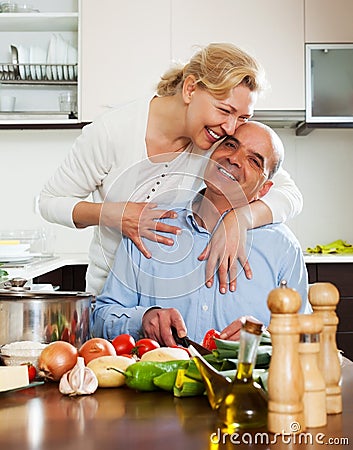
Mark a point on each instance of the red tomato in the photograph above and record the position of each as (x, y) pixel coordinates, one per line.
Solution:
(123, 344)
(32, 372)
(145, 345)
(208, 340)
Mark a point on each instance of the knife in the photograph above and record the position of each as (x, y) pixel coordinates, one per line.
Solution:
(186, 342)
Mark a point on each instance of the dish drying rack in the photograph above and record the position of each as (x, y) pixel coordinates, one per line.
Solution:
(38, 73)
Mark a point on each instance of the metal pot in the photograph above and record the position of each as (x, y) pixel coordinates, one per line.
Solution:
(43, 316)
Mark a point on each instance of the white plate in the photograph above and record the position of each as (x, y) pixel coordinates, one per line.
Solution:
(61, 54)
(32, 60)
(37, 56)
(23, 60)
(17, 258)
(71, 59)
(51, 59)
(13, 249)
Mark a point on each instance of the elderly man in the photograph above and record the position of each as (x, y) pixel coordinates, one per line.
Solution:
(147, 297)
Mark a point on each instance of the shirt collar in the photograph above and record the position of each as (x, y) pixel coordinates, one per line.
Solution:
(190, 217)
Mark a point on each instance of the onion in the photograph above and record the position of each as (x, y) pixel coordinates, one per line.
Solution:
(95, 347)
(56, 359)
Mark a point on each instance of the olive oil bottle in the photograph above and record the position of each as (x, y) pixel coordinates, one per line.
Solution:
(245, 404)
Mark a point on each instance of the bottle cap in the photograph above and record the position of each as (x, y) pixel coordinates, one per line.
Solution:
(253, 326)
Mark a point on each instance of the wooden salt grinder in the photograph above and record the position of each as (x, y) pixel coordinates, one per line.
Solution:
(285, 377)
(324, 298)
(314, 384)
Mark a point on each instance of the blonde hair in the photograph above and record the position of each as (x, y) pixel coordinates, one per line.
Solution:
(218, 68)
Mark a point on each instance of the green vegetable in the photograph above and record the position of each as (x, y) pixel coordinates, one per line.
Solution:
(222, 359)
(3, 273)
(166, 380)
(141, 375)
(186, 386)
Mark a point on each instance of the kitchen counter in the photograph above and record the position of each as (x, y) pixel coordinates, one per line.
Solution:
(40, 266)
(41, 418)
(318, 258)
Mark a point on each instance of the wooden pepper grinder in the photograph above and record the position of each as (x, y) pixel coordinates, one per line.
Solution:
(314, 384)
(324, 298)
(285, 377)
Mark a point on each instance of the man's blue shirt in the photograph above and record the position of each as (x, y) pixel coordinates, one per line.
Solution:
(175, 278)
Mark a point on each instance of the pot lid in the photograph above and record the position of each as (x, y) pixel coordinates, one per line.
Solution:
(16, 288)
(13, 293)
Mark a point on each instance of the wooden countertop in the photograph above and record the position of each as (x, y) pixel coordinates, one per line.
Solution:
(41, 418)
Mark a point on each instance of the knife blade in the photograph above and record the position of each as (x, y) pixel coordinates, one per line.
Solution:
(186, 341)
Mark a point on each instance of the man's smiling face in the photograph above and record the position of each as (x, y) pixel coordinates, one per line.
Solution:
(239, 168)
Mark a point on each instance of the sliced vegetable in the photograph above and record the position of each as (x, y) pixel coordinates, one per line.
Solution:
(187, 387)
(209, 339)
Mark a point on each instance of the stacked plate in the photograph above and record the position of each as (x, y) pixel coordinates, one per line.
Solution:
(58, 62)
(61, 59)
(14, 252)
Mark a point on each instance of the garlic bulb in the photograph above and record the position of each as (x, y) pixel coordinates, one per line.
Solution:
(80, 380)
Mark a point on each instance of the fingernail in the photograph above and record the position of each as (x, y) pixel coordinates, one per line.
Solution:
(223, 290)
(209, 284)
(223, 336)
(232, 288)
(178, 231)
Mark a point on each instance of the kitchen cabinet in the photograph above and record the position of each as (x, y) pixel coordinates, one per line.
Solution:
(123, 58)
(126, 55)
(328, 22)
(270, 31)
(43, 64)
(341, 275)
(67, 278)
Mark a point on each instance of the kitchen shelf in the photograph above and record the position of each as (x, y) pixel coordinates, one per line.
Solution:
(38, 21)
(34, 74)
(34, 78)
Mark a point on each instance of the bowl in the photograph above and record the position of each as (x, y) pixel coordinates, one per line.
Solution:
(21, 352)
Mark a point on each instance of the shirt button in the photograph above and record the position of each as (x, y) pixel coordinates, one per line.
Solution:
(204, 307)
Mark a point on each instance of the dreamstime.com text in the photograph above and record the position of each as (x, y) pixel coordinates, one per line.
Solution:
(219, 437)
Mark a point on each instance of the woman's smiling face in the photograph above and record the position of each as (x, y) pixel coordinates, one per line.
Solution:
(209, 119)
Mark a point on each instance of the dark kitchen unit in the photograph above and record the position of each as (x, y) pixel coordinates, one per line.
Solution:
(341, 275)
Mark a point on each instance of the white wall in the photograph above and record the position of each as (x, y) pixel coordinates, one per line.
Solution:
(27, 159)
(321, 164)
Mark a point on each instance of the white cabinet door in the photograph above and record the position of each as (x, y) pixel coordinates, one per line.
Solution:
(271, 30)
(125, 47)
(328, 21)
